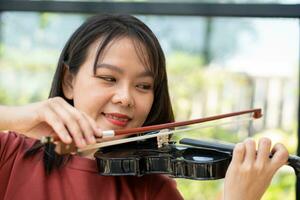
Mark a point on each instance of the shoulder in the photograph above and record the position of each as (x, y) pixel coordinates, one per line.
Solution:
(12, 143)
(15, 139)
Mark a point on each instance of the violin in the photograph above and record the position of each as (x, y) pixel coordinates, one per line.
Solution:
(200, 160)
(140, 155)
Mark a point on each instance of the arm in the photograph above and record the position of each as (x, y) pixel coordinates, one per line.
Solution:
(52, 116)
(251, 171)
(18, 118)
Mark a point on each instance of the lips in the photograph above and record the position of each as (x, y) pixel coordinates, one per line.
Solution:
(117, 119)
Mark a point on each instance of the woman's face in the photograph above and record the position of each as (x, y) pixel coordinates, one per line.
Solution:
(120, 93)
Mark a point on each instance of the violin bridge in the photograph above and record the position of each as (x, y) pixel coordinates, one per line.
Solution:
(162, 139)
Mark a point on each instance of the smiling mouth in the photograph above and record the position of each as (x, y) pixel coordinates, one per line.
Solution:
(117, 119)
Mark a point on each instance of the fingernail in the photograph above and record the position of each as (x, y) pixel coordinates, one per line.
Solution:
(99, 132)
(83, 142)
(68, 139)
(92, 139)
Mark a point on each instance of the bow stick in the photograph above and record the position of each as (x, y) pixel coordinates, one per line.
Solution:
(257, 113)
(133, 131)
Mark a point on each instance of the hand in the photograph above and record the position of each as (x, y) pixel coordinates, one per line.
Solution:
(56, 116)
(250, 171)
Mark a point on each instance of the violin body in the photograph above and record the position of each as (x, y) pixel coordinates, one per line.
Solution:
(201, 160)
(175, 160)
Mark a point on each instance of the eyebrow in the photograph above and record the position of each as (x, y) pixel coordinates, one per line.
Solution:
(121, 71)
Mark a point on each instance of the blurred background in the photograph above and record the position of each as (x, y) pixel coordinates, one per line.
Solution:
(215, 65)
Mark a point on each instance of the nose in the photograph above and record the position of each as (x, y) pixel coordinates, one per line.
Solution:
(123, 96)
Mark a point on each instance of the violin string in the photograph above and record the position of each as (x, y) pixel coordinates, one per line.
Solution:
(132, 139)
(193, 127)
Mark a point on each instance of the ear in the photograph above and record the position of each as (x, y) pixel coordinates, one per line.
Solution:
(67, 82)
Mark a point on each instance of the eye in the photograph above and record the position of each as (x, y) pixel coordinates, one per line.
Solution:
(107, 78)
(144, 86)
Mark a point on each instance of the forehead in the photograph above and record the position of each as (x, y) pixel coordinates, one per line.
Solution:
(122, 48)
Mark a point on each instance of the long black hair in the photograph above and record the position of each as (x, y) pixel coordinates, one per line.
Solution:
(107, 29)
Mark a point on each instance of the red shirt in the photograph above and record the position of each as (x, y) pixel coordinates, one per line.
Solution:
(25, 178)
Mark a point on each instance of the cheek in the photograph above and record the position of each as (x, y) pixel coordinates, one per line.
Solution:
(144, 107)
(90, 101)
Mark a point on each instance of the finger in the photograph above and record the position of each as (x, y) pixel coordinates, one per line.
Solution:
(238, 153)
(280, 155)
(71, 123)
(57, 125)
(86, 125)
(263, 151)
(250, 154)
(97, 131)
(89, 132)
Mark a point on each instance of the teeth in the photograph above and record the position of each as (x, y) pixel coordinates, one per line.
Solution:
(117, 118)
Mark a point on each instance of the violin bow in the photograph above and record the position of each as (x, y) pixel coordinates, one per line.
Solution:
(113, 136)
(257, 113)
